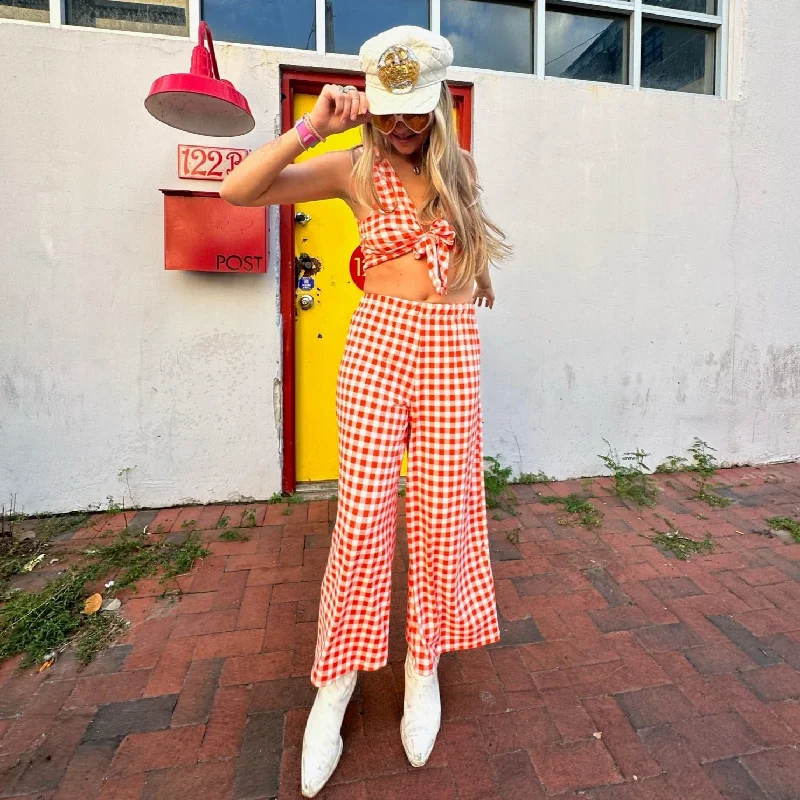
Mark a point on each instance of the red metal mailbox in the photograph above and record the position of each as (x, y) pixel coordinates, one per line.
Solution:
(204, 233)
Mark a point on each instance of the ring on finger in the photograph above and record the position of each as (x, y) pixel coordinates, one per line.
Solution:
(349, 88)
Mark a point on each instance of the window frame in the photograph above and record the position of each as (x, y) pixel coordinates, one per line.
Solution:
(636, 9)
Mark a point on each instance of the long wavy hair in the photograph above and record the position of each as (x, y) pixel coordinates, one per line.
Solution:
(453, 193)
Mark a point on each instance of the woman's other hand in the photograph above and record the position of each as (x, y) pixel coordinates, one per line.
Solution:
(337, 111)
(483, 295)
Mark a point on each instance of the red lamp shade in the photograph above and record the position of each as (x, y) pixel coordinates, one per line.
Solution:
(199, 101)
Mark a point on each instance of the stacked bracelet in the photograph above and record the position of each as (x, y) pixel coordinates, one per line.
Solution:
(307, 133)
(307, 118)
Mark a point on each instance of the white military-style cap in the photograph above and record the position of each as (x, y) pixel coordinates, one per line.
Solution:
(404, 68)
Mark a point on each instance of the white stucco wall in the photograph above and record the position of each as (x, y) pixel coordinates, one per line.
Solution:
(652, 296)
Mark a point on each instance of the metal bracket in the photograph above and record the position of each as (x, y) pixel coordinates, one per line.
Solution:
(306, 265)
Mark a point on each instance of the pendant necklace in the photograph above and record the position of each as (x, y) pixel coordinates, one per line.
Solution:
(418, 166)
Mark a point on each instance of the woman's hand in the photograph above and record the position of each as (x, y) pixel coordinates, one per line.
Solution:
(483, 295)
(337, 111)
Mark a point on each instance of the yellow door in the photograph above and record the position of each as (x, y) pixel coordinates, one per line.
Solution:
(330, 235)
(325, 242)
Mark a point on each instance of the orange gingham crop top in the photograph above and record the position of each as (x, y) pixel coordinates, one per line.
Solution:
(388, 234)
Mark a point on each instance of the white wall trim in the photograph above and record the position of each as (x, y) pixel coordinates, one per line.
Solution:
(723, 52)
(636, 45)
(684, 16)
(600, 5)
(194, 13)
(539, 49)
(57, 15)
(436, 16)
(320, 9)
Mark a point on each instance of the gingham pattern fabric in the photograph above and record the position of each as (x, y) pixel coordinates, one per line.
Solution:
(410, 376)
(395, 230)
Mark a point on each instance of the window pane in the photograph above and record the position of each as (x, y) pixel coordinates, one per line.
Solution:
(590, 47)
(349, 23)
(280, 23)
(489, 35)
(147, 16)
(700, 6)
(677, 57)
(31, 10)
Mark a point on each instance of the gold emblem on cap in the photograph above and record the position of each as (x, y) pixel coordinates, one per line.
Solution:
(398, 69)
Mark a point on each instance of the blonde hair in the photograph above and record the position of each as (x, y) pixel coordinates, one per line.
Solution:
(453, 193)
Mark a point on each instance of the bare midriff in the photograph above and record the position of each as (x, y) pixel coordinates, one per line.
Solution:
(407, 277)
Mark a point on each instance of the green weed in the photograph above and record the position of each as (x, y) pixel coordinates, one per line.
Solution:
(682, 546)
(125, 475)
(280, 497)
(582, 511)
(113, 506)
(27, 538)
(233, 536)
(223, 523)
(529, 478)
(98, 632)
(673, 464)
(702, 468)
(785, 524)
(497, 486)
(631, 478)
(713, 499)
(37, 623)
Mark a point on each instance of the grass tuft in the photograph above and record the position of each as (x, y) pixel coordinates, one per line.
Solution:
(280, 497)
(25, 539)
(682, 546)
(233, 536)
(581, 510)
(785, 524)
(47, 620)
(99, 632)
(529, 478)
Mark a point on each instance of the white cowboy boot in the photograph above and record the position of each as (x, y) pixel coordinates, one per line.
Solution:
(422, 714)
(322, 741)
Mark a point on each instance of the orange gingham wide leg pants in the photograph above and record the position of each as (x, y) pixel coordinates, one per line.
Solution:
(410, 376)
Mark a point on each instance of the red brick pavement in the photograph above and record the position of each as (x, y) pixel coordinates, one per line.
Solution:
(622, 673)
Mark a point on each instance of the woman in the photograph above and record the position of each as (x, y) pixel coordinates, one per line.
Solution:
(409, 378)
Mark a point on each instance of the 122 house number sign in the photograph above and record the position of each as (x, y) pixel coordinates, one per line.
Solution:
(208, 163)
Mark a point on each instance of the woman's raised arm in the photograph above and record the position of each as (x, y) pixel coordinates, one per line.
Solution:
(268, 176)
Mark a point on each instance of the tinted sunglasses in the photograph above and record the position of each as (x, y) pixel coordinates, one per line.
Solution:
(386, 123)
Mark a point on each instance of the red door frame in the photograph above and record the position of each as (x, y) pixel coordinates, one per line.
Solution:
(304, 82)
